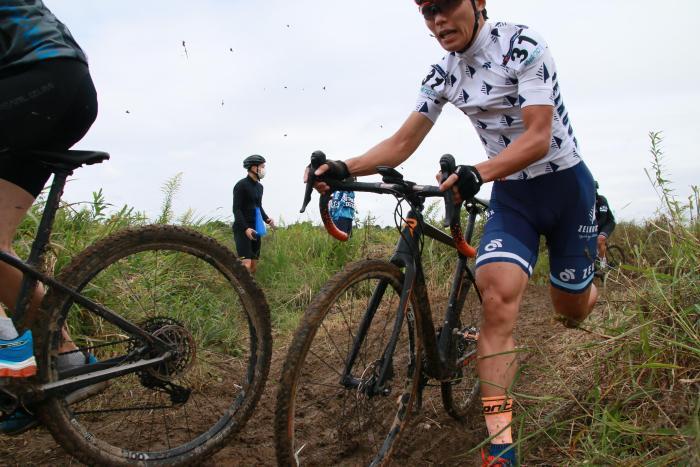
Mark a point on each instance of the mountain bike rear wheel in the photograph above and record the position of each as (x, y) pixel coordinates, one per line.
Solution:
(320, 420)
(189, 291)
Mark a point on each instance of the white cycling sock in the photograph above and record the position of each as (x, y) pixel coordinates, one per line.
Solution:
(70, 360)
(7, 330)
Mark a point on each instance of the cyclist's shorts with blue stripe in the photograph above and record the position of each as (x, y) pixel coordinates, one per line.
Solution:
(560, 206)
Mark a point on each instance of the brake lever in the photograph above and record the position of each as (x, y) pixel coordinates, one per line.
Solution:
(318, 158)
(448, 167)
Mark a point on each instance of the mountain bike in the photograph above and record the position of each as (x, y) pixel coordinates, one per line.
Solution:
(614, 259)
(367, 346)
(174, 331)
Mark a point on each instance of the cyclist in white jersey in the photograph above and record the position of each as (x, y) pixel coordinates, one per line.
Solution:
(503, 77)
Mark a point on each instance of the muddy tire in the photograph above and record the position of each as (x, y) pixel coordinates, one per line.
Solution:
(190, 291)
(319, 420)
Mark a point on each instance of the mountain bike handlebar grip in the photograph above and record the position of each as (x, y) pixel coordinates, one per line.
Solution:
(328, 223)
(447, 167)
(318, 158)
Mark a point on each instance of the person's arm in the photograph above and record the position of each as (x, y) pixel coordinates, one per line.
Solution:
(395, 149)
(532, 146)
(392, 151)
(238, 201)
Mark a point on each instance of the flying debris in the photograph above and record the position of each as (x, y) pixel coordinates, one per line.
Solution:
(230, 49)
(185, 47)
(128, 112)
(222, 103)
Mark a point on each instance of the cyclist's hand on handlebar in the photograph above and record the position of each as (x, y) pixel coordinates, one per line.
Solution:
(465, 183)
(337, 170)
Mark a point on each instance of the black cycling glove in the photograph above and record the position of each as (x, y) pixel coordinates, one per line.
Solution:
(469, 182)
(337, 170)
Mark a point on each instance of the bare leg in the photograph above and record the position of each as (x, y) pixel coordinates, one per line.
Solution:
(14, 204)
(502, 286)
(253, 266)
(575, 307)
(248, 264)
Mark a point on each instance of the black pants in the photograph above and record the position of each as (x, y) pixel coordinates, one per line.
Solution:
(48, 105)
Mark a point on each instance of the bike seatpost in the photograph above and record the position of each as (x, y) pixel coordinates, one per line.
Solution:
(39, 245)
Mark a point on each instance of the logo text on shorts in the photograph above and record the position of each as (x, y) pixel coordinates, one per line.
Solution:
(493, 244)
(567, 275)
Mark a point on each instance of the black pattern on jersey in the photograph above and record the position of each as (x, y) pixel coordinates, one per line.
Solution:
(551, 167)
(512, 81)
(481, 125)
(495, 35)
(521, 100)
(510, 100)
(556, 142)
(543, 73)
(504, 140)
(424, 108)
(507, 120)
(470, 70)
(486, 88)
(486, 66)
(464, 96)
(483, 140)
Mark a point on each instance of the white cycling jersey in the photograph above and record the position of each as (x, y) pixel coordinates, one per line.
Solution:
(508, 67)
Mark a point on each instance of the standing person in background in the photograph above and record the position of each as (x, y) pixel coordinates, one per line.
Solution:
(249, 216)
(606, 224)
(342, 210)
(47, 102)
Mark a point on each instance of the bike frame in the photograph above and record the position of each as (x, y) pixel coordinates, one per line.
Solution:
(88, 374)
(439, 357)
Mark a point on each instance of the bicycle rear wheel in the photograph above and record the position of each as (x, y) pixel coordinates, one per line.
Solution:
(614, 256)
(318, 419)
(188, 290)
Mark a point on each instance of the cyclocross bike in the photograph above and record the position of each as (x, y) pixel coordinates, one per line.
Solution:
(367, 346)
(614, 259)
(174, 332)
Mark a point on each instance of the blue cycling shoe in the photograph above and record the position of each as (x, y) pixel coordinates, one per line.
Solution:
(21, 420)
(18, 422)
(17, 357)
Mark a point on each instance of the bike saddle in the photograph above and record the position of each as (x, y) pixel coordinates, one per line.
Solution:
(69, 159)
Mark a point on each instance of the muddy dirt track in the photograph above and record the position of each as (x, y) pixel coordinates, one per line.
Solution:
(432, 437)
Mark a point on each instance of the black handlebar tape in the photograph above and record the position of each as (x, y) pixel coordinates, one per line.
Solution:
(448, 167)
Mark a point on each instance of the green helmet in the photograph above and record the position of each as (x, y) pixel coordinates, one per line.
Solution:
(250, 161)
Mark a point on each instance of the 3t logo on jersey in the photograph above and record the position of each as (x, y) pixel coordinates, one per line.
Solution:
(494, 244)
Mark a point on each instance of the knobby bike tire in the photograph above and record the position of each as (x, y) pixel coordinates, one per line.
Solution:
(320, 421)
(191, 291)
(461, 392)
(615, 256)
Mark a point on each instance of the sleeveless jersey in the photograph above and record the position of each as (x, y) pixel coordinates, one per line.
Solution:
(508, 67)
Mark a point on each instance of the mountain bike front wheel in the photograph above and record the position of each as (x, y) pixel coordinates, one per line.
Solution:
(187, 290)
(325, 415)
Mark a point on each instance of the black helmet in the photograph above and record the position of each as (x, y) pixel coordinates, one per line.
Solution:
(250, 161)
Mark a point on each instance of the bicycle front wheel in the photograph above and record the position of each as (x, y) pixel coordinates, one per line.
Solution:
(614, 256)
(325, 415)
(189, 291)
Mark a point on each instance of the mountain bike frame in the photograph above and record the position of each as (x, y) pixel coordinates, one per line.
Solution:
(62, 165)
(439, 351)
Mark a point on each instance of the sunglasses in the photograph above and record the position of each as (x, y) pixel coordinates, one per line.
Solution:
(431, 8)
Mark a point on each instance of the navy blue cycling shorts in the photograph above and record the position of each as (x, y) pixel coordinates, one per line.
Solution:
(561, 207)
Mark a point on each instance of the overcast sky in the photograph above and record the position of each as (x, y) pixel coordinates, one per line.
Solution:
(283, 79)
